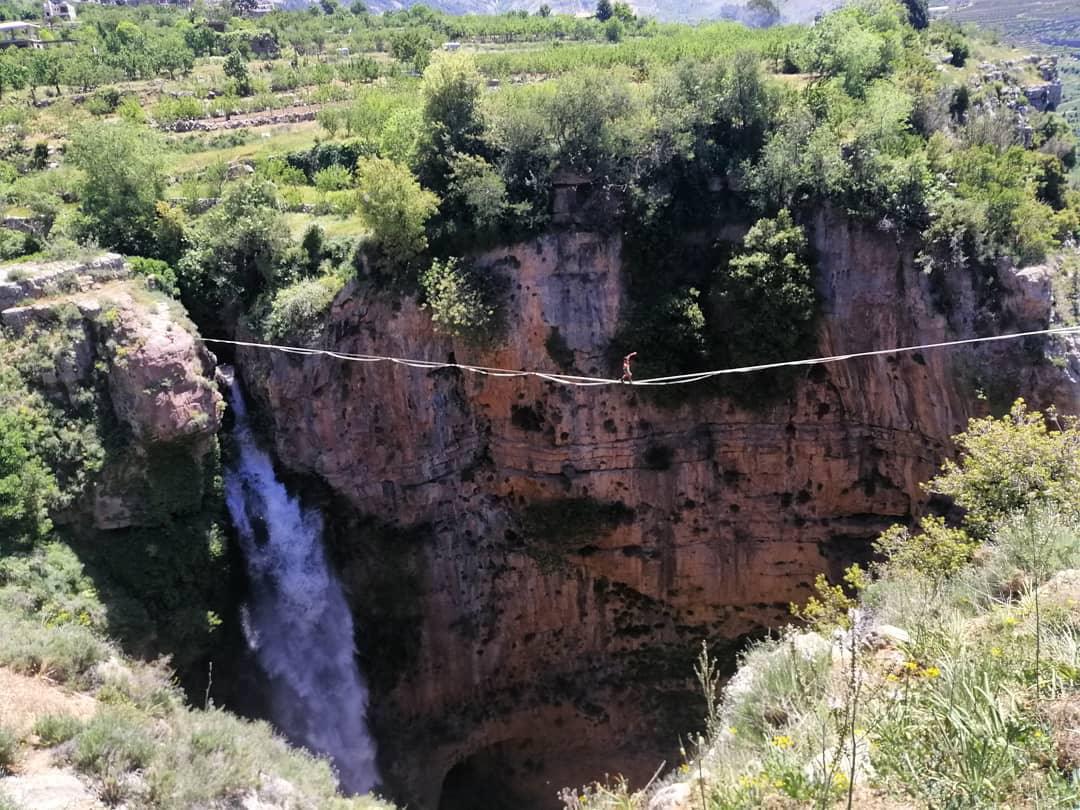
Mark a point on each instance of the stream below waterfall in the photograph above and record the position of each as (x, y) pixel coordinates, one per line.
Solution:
(296, 620)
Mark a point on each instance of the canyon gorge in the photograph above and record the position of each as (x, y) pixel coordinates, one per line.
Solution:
(532, 567)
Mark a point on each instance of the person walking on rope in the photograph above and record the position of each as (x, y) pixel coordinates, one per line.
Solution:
(627, 375)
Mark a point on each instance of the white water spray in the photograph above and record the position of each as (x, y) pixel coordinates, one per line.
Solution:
(297, 621)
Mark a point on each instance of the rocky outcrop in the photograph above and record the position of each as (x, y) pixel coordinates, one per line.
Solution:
(556, 554)
(106, 337)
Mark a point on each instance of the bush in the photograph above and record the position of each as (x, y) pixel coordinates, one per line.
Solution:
(333, 178)
(1013, 463)
(114, 742)
(53, 729)
(9, 749)
(299, 311)
(158, 274)
(464, 301)
(182, 108)
(769, 283)
(67, 653)
(396, 209)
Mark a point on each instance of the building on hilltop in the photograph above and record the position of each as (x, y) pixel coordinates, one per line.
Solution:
(61, 11)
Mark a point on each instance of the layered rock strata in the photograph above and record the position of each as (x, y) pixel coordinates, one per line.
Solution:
(534, 566)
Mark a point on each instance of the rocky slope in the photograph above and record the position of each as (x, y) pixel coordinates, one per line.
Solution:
(533, 566)
(98, 331)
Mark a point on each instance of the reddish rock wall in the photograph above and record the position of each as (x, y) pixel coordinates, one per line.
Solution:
(553, 662)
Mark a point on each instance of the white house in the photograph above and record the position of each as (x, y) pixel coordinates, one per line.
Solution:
(61, 11)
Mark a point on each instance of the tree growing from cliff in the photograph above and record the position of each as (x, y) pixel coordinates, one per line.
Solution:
(395, 208)
(123, 180)
(764, 299)
(237, 249)
(463, 300)
(27, 486)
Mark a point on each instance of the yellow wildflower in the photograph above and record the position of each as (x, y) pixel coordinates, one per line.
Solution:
(995, 652)
(891, 678)
(782, 741)
(910, 666)
(1010, 621)
(930, 672)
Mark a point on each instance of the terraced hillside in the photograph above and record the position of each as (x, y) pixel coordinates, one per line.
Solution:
(1049, 24)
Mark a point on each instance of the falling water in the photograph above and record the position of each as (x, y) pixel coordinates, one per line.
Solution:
(297, 621)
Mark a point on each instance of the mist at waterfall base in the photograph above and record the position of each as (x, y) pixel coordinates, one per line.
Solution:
(296, 620)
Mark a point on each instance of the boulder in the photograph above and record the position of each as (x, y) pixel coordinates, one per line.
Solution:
(672, 797)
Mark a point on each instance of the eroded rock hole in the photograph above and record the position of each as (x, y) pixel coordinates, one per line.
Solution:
(488, 780)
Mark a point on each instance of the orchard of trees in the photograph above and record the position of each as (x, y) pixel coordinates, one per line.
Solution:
(422, 157)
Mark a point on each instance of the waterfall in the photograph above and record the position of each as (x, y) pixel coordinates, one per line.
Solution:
(296, 621)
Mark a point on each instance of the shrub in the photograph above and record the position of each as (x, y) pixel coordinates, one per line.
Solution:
(157, 273)
(115, 741)
(333, 178)
(935, 552)
(67, 653)
(299, 311)
(182, 108)
(1013, 463)
(768, 283)
(9, 749)
(464, 301)
(53, 729)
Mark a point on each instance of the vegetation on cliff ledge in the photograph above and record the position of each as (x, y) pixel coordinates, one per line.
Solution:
(662, 134)
(946, 675)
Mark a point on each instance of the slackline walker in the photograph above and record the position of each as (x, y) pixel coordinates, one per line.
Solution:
(590, 382)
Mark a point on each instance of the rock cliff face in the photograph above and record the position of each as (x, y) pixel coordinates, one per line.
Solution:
(560, 552)
(109, 350)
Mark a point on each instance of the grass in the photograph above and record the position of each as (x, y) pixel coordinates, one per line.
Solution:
(271, 141)
(333, 226)
(65, 653)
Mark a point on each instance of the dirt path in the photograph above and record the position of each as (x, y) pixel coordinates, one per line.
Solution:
(38, 783)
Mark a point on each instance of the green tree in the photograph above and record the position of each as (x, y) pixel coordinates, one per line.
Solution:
(544, 10)
(763, 13)
(359, 8)
(12, 72)
(395, 207)
(480, 190)
(174, 56)
(236, 69)
(623, 12)
(768, 284)
(1013, 464)
(412, 46)
(463, 302)
(45, 67)
(918, 13)
(604, 10)
(591, 117)
(84, 69)
(27, 486)
(237, 248)
(123, 180)
(453, 115)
